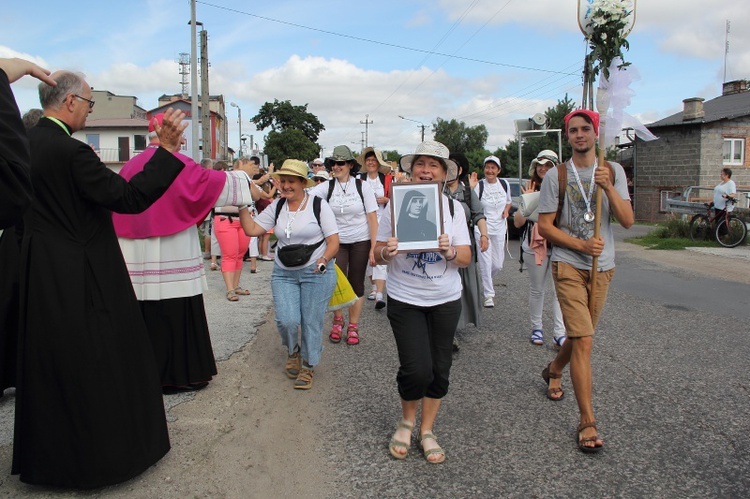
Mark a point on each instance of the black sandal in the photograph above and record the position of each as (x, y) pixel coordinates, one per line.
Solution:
(583, 441)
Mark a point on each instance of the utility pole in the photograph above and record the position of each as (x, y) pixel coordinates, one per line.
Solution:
(205, 98)
(366, 123)
(726, 51)
(239, 119)
(184, 62)
(420, 124)
(194, 84)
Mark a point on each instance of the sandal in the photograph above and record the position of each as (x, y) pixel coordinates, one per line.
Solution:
(352, 334)
(546, 376)
(232, 296)
(583, 441)
(399, 444)
(559, 342)
(537, 337)
(240, 291)
(214, 266)
(435, 450)
(293, 364)
(304, 379)
(371, 296)
(336, 329)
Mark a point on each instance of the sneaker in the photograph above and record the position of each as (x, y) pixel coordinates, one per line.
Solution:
(379, 305)
(293, 363)
(304, 379)
(371, 296)
(489, 302)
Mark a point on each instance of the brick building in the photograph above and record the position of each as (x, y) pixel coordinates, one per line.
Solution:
(693, 146)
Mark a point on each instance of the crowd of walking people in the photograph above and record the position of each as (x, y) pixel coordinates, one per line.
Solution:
(118, 306)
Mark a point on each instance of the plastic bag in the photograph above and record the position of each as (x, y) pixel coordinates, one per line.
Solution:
(343, 295)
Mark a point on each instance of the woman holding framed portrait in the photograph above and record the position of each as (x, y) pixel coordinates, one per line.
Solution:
(424, 292)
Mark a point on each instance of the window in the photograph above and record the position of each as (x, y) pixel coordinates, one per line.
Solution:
(734, 152)
(92, 139)
(139, 142)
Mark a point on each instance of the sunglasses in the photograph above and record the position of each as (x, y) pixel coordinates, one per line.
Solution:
(340, 163)
(91, 103)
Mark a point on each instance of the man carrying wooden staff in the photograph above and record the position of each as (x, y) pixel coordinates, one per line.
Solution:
(575, 247)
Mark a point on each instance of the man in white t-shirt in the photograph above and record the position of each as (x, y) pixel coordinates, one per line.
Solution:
(495, 197)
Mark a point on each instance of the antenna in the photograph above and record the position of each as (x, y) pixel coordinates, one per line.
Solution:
(184, 62)
(726, 51)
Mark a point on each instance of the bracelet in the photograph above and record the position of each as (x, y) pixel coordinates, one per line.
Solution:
(242, 207)
(453, 256)
(484, 235)
(381, 254)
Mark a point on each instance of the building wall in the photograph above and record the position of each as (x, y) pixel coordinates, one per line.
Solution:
(688, 155)
(109, 147)
(109, 105)
(667, 164)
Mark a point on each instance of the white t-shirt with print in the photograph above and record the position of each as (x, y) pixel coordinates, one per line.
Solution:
(350, 213)
(304, 228)
(494, 200)
(425, 278)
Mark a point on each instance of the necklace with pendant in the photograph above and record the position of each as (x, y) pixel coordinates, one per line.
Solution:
(588, 217)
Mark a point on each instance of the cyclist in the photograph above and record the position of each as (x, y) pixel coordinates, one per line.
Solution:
(722, 192)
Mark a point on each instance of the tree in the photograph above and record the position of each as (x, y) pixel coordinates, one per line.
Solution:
(458, 137)
(294, 131)
(290, 144)
(391, 155)
(532, 145)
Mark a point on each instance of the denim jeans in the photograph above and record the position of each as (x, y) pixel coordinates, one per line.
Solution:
(301, 298)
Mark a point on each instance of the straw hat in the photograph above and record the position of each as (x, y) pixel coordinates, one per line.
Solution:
(294, 168)
(435, 150)
(384, 167)
(544, 157)
(322, 174)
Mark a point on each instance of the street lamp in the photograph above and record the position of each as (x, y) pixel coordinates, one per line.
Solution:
(239, 117)
(415, 121)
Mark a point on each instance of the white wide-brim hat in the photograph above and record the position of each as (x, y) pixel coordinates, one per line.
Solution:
(433, 149)
(383, 167)
(544, 157)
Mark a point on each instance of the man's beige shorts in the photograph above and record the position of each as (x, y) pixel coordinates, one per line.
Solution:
(573, 289)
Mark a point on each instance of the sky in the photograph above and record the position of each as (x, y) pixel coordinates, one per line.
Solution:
(484, 62)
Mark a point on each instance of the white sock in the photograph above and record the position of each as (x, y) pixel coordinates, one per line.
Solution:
(379, 296)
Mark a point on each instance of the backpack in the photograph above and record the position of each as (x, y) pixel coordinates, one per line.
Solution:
(506, 187)
(316, 209)
(385, 180)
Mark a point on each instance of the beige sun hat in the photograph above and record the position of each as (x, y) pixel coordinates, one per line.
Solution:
(384, 167)
(433, 149)
(294, 168)
(544, 157)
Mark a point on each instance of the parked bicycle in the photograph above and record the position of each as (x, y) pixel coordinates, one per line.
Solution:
(728, 230)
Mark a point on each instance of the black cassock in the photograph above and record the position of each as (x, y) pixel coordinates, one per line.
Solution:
(15, 197)
(89, 409)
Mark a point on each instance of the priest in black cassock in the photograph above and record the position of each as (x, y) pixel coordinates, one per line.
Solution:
(89, 409)
(15, 197)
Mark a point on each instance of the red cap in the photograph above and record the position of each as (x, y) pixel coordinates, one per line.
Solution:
(593, 115)
(160, 119)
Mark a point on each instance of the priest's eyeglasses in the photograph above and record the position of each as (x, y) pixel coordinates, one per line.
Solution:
(91, 103)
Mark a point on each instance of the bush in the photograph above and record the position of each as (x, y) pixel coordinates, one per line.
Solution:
(674, 227)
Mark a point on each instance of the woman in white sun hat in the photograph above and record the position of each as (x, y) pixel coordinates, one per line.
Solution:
(424, 304)
(534, 250)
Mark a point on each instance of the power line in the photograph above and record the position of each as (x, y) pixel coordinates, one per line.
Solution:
(378, 42)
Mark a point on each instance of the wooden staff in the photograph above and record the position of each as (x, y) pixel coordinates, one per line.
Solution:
(597, 225)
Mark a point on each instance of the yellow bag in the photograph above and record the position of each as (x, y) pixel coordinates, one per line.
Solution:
(343, 296)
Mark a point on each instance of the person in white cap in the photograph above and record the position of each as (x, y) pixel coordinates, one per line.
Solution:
(534, 248)
(494, 194)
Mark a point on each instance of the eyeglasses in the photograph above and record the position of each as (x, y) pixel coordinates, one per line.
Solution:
(91, 103)
(340, 163)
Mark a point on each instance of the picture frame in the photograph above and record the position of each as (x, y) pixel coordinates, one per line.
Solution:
(416, 215)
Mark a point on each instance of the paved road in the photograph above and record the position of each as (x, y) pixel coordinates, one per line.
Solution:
(671, 394)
